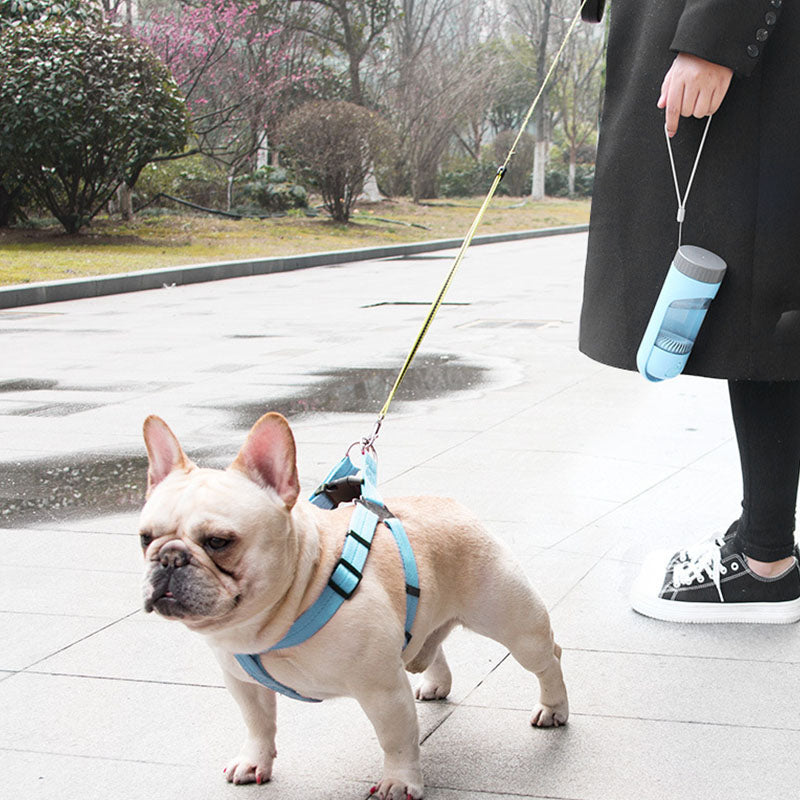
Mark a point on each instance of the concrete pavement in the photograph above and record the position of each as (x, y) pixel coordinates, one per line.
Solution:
(580, 468)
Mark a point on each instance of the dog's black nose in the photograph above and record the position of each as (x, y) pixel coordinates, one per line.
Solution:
(173, 555)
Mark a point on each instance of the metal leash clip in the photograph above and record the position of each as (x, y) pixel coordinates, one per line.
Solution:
(368, 442)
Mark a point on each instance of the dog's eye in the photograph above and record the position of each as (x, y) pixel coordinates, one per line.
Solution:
(145, 539)
(217, 543)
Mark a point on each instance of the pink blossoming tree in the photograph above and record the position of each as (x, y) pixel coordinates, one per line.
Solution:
(234, 71)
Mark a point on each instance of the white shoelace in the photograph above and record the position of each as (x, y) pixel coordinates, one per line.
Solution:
(706, 562)
(693, 551)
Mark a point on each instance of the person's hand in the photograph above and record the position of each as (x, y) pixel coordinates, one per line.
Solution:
(692, 87)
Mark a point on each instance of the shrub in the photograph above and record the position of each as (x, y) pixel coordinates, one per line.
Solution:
(557, 181)
(82, 109)
(195, 178)
(469, 180)
(332, 145)
(14, 12)
(88, 11)
(269, 189)
(517, 180)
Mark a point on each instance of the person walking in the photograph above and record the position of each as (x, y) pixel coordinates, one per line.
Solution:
(671, 63)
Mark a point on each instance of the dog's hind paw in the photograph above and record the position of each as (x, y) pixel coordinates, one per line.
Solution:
(547, 717)
(431, 690)
(397, 789)
(249, 768)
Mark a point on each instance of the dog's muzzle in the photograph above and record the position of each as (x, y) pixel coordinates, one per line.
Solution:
(176, 587)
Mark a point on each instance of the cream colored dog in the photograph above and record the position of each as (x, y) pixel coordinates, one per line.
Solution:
(236, 556)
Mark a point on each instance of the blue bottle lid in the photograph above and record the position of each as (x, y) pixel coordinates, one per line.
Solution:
(699, 263)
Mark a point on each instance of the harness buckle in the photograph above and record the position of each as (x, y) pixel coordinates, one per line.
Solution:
(340, 590)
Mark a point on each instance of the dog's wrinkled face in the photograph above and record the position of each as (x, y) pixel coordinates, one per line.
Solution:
(218, 544)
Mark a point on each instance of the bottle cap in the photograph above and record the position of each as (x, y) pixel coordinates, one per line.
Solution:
(699, 263)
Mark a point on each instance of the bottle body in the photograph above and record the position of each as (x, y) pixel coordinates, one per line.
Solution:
(691, 284)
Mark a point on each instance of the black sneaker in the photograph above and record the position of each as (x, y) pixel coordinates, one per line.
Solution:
(714, 585)
(692, 551)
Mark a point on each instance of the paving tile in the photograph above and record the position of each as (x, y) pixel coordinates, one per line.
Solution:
(47, 775)
(596, 615)
(125, 524)
(554, 576)
(74, 592)
(142, 647)
(684, 508)
(602, 757)
(65, 549)
(657, 687)
(168, 726)
(543, 489)
(28, 638)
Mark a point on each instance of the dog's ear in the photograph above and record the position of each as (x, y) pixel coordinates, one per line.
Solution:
(163, 451)
(269, 458)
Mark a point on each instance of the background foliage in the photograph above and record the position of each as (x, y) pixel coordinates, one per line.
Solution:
(333, 145)
(449, 80)
(81, 109)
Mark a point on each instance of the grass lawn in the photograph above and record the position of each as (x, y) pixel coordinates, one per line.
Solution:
(109, 246)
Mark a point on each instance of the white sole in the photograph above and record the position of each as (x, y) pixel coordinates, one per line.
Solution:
(645, 600)
(782, 613)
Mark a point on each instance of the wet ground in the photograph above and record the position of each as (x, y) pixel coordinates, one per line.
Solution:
(579, 469)
(37, 491)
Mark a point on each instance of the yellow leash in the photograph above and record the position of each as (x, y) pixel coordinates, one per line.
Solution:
(368, 442)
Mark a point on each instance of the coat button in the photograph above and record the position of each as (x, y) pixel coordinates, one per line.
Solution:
(752, 51)
(770, 17)
(762, 34)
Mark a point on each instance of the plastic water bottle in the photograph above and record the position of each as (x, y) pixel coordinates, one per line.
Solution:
(691, 284)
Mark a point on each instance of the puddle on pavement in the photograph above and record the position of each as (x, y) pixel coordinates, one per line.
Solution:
(42, 491)
(47, 491)
(27, 385)
(364, 391)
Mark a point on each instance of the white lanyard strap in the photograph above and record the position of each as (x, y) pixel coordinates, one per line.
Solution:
(682, 200)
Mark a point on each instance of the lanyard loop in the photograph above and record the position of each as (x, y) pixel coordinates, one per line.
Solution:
(682, 200)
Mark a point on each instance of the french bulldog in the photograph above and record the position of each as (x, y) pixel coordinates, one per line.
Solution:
(237, 556)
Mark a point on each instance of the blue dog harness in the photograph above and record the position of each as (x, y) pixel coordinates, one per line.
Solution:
(347, 574)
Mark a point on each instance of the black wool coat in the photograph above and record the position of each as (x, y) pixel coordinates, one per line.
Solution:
(745, 201)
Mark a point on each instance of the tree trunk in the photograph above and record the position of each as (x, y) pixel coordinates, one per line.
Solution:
(125, 200)
(263, 153)
(540, 148)
(571, 176)
(229, 194)
(8, 206)
(539, 164)
(370, 193)
(356, 95)
(423, 185)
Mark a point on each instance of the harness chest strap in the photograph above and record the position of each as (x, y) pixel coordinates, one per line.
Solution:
(347, 573)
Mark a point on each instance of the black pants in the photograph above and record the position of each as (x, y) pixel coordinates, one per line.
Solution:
(767, 421)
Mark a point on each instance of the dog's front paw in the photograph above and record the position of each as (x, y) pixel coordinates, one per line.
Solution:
(431, 690)
(399, 787)
(252, 765)
(547, 717)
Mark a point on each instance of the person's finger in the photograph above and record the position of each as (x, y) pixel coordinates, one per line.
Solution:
(673, 106)
(717, 97)
(662, 99)
(703, 105)
(691, 97)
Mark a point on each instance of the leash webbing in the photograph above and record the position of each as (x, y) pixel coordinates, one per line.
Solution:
(434, 308)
